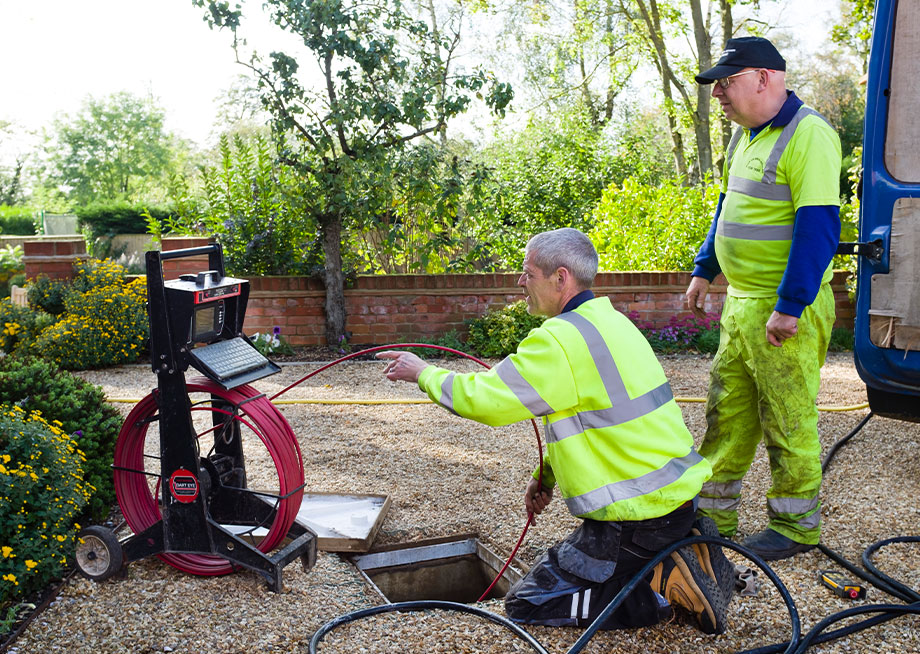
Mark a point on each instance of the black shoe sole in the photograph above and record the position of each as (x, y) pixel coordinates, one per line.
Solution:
(720, 568)
(706, 590)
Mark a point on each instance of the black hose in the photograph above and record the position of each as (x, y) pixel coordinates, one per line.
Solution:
(628, 588)
(865, 576)
(425, 605)
(890, 611)
(831, 453)
(910, 595)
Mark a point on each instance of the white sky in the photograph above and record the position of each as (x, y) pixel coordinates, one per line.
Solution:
(55, 53)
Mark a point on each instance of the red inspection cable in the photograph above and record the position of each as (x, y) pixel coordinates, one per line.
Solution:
(530, 515)
(140, 506)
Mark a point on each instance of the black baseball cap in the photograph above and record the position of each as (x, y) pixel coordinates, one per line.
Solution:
(743, 52)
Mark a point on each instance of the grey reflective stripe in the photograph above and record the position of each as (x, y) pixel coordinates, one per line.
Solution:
(603, 359)
(777, 505)
(601, 418)
(751, 232)
(720, 504)
(447, 393)
(624, 408)
(761, 190)
(632, 488)
(772, 162)
(736, 138)
(522, 389)
(722, 489)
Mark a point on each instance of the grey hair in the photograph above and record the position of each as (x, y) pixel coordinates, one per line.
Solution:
(564, 248)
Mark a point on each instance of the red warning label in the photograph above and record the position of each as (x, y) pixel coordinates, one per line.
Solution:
(184, 486)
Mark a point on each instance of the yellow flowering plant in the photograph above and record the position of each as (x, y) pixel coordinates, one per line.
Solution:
(41, 492)
(103, 322)
(80, 408)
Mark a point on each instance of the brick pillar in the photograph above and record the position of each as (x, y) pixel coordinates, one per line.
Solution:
(172, 268)
(53, 256)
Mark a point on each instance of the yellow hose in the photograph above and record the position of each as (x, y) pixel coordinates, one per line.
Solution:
(688, 400)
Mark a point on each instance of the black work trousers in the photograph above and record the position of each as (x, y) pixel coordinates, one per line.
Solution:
(571, 583)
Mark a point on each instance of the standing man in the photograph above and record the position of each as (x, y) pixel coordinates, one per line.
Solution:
(774, 234)
(616, 446)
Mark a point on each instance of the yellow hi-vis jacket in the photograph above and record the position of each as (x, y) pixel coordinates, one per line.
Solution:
(765, 181)
(616, 442)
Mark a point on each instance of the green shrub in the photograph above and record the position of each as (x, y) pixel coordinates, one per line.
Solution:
(108, 218)
(35, 384)
(47, 294)
(841, 340)
(451, 339)
(499, 332)
(11, 265)
(42, 488)
(645, 227)
(20, 325)
(104, 326)
(17, 221)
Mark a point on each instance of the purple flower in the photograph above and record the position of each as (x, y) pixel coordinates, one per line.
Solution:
(276, 330)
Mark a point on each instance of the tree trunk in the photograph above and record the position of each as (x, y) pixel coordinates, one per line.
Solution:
(652, 20)
(701, 117)
(333, 279)
(725, 8)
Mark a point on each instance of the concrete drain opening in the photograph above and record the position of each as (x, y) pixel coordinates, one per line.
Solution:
(456, 569)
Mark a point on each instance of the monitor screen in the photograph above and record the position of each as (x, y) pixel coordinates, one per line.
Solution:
(207, 322)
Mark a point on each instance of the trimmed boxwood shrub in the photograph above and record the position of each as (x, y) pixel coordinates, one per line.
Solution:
(80, 407)
(42, 488)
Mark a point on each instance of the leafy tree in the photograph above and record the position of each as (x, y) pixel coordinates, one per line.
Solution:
(386, 80)
(652, 227)
(548, 175)
(438, 200)
(113, 148)
(10, 176)
(574, 52)
(855, 30)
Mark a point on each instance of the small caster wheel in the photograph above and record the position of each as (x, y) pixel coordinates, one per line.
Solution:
(98, 553)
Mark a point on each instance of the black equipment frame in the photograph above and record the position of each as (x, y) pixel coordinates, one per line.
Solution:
(195, 526)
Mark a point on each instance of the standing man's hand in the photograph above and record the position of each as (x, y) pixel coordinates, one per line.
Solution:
(696, 296)
(536, 499)
(780, 327)
(402, 365)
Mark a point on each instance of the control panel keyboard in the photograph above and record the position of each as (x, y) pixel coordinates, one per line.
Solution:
(228, 359)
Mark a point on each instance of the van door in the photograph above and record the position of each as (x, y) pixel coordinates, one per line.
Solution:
(887, 336)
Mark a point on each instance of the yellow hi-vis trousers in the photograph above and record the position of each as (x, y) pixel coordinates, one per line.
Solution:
(758, 391)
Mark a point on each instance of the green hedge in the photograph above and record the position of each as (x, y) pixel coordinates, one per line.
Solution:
(117, 217)
(17, 221)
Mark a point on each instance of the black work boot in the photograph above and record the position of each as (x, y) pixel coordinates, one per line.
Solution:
(771, 545)
(680, 579)
(712, 558)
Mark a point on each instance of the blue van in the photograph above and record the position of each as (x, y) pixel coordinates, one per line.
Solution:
(887, 336)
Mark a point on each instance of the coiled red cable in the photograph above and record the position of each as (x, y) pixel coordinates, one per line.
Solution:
(140, 506)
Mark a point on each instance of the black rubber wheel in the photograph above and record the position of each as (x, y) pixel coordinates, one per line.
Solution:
(98, 553)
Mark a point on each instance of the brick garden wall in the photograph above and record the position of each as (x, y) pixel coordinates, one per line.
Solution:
(390, 308)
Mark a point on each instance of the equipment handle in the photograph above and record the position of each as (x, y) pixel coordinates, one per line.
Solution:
(189, 252)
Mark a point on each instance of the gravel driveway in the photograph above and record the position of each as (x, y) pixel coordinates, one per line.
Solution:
(447, 476)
